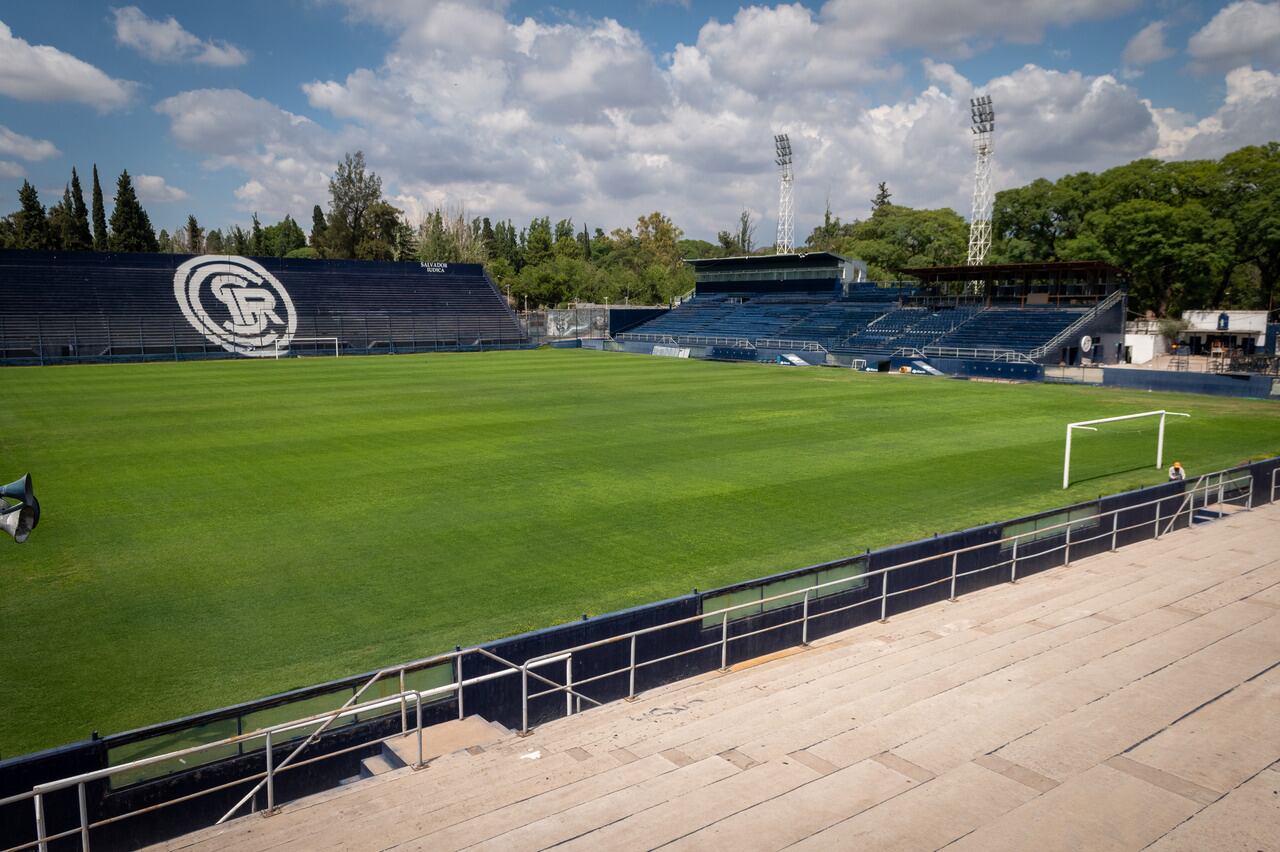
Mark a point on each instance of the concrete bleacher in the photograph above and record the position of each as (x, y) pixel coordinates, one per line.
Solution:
(1125, 701)
(88, 306)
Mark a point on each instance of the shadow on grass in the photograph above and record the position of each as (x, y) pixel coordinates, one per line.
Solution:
(1079, 480)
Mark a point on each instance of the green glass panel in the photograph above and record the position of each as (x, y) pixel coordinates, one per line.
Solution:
(293, 710)
(742, 596)
(790, 585)
(176, 741)
(852, 574)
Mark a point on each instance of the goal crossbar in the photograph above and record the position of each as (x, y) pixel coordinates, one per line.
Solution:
(337, 350)
(1090, 424)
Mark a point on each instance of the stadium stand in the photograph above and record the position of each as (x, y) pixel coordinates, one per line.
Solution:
(1024, 312)
(71, 307)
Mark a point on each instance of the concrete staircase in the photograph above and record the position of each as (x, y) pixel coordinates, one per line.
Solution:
(1124, 700)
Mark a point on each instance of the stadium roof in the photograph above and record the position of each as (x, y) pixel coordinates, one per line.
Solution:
(772, 261)
(1007, 271)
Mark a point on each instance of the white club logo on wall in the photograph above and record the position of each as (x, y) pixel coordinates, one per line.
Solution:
(235, 303)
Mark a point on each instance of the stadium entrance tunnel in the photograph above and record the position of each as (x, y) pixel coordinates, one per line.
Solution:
(601, 659)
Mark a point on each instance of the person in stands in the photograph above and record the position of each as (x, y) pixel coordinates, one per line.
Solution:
(1176, 473)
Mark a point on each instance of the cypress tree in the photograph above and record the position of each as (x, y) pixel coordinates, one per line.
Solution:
(318, 227)
(32, 226)
(130, 225)
(259, 245)
(81, 239)
(195, 235)
(100, 236)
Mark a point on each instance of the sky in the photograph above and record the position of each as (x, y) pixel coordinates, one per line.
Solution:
(603, 112)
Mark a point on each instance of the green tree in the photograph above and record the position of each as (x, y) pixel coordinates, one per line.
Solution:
(193, 239)
(101, 238)
(130, 225)
(238, 240)
(31, 228)
(882, 197)
(538, 244)
(318, 227)
(213, 243)
(352, 191)
(61, 221)
(80, 238)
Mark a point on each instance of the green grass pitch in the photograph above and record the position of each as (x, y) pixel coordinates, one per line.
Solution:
(215, 532)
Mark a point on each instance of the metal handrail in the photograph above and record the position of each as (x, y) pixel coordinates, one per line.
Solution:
(404, 697)
(988, 352)
(1106, 304)
(954, 554)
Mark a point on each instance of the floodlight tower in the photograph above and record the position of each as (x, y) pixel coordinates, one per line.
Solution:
(786, 219)
(984, 125)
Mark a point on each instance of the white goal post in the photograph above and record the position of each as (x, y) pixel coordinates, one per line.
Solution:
(284, 350)
(1089, 424)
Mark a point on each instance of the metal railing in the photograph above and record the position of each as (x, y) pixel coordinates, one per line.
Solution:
(1057, 340)
(1220, 488)
(778, 343)
(686, 339)
(804, 596)
(979, 353)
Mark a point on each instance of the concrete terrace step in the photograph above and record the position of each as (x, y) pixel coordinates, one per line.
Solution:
(1116, 702)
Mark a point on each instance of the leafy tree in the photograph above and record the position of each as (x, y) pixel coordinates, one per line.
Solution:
(352, 191)
(101, 239)
(258, 242)
(80, 239)
(318, 228)
(130, 225)
(882, 197)
(31, 228)
(193, 239)
(213, 243)
(538, 244)
(282, 238)
(165, 242)
(238, 240)
(746, 232)
(61, 222)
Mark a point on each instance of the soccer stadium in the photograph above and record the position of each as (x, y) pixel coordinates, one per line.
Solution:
(815, 545)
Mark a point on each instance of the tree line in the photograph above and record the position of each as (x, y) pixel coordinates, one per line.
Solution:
(1199, 233)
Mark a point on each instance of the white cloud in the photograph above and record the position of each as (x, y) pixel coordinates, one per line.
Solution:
(154, 188)
(169, 41)
(523, 118)
(39, 72)
(25, 147)
(288, 156)
(10, 169)
(1147, 46)
(1241, 33)
(1249, 115)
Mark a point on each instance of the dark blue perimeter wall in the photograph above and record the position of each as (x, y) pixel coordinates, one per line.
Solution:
(88, 306)
(1217, 384)
(663, 656)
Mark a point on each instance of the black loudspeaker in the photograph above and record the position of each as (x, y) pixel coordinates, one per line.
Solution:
(23, 491)
(17, 522)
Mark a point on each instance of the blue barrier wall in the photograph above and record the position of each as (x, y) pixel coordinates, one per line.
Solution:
(1216, 384)
(663, 656)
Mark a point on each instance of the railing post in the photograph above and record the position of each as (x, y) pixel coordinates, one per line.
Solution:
(271, 779)
(1068, 551)
(418, 702)
(1248, 500)
(884, 597)
(404, 713)
(1013, 575)
(1159, 502)
(804, 620)
(84, 817)
(724, 641)
(568, 685)
(631, 678)
(524, 700)
(458, 674)
(1115, 528)
(41, 843)
(954, 560)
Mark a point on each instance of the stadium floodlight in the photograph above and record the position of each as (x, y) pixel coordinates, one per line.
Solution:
(983, 126)
(786, 222)
(1091, 424)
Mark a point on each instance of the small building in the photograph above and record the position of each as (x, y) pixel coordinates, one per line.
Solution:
(1225, 332)
(816, 272)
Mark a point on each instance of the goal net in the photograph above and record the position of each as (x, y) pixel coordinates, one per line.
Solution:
(1111, 445)
(306, 346)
